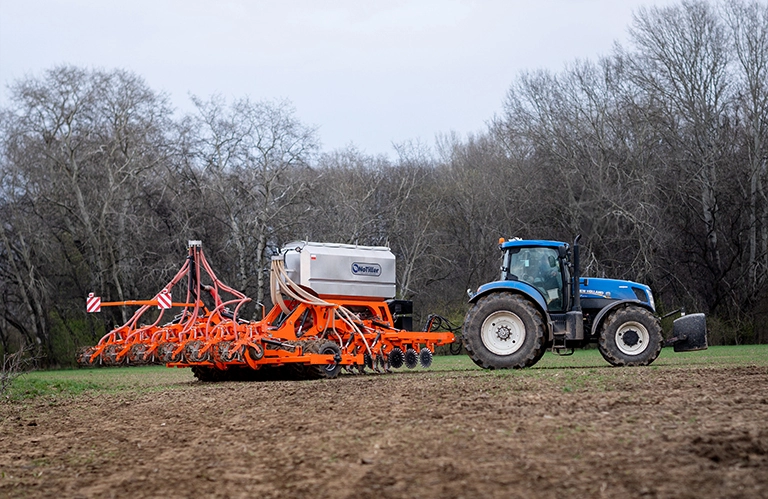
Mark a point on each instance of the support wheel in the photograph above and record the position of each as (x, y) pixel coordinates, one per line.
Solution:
(504, 330)
(137, 355)
(327, 371)
(255, 352)
(631, 336)
(165, 353)
(110, 353)
(225, 351)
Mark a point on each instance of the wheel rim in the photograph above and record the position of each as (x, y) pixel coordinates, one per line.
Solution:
(632, 338)
(503, 333)
(329, 350)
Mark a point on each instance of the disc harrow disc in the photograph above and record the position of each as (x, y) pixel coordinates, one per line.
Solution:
(425, 357)
(109, 355)
(411, 358)
(367, 361)
(225, 351)
(165, 353)
(137, 355)
(396, 358)
(84, 358)
(193, 351)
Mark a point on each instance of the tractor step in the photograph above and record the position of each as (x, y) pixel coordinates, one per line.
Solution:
(559, 346)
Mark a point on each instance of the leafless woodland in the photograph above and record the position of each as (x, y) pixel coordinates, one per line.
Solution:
(657, 154)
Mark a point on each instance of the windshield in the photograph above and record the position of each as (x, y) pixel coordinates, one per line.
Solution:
(540, 268)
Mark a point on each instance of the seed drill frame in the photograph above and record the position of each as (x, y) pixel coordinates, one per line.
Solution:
(305, 335)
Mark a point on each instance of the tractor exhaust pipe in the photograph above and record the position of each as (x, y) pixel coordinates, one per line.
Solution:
(576, 276)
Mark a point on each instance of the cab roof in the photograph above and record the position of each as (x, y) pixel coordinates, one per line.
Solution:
(531, 243)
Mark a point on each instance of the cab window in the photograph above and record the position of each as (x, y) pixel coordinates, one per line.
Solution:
(539, 267)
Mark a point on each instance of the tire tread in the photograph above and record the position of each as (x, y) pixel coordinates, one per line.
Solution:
(473, 323)
(610, 351)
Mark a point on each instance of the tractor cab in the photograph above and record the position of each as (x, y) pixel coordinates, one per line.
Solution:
(543, 266)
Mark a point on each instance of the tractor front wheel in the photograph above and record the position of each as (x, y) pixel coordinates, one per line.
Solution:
(503, 330)
(631, 336)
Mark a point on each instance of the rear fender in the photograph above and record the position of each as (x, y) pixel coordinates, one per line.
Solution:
(518, 287)
(598, 321)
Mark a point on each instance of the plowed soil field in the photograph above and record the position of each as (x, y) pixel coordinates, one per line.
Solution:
(558, 430)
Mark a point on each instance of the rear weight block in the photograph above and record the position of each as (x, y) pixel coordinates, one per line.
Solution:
(690, 333)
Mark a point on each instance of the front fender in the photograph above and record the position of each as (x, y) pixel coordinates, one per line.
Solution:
(512, 286)
(613, 306)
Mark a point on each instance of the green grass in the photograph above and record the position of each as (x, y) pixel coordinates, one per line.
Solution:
(742, 355)
(73, 382)
(582, 370)
(586, 370)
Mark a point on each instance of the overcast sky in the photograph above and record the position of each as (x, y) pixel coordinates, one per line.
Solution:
(368, 73)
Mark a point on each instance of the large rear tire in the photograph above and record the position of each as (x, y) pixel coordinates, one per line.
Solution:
(504, 330)
(631, 336)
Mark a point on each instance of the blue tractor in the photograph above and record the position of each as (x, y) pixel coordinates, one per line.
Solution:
(541, 303)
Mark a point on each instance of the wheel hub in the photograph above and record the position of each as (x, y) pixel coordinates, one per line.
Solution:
(503, 332)
(632, 338)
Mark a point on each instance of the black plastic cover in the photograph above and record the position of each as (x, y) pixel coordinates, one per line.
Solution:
(400, 307)
(401, 311)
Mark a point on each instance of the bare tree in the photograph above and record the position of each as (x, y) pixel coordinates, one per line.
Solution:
(348, 197)
(413, 220)
(682, 60)
(248, 155)
(14, 365)
(79, 147)
(748, 23)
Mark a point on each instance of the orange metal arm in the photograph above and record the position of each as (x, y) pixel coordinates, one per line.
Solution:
(144, 302)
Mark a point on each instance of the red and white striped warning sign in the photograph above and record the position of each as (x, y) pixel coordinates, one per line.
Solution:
(93, 303)
(164, 300)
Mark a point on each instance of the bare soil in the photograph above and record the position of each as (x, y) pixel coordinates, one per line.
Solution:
(597, 432)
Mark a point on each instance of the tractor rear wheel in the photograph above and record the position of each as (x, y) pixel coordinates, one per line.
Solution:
(504, 330)
(631, 336)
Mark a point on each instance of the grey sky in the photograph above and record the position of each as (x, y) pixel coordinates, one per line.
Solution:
(368, 73)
